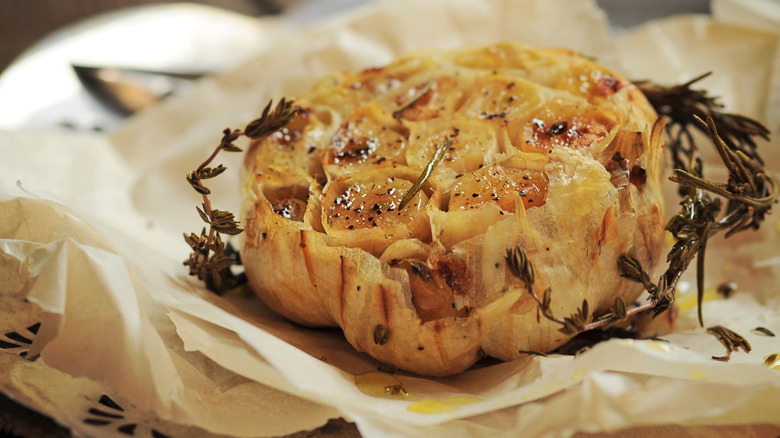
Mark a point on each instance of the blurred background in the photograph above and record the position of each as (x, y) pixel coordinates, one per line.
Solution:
(26, 22)
(88, 64)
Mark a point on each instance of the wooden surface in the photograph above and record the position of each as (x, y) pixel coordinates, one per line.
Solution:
(17, 421)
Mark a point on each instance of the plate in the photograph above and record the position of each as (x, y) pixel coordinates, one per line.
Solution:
(40, 90)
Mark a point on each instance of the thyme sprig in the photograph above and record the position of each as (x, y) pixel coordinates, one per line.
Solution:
(521, 267)
(580, 320)
(211, 258)
(731, 340)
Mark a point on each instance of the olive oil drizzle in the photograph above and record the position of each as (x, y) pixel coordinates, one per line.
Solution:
(387, 386)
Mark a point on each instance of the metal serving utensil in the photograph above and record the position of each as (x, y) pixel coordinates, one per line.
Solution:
(127, 90)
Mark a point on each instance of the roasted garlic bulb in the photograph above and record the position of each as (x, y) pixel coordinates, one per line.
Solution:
(545, 150)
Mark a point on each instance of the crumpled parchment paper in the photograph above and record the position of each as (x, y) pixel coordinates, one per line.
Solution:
(90, 247)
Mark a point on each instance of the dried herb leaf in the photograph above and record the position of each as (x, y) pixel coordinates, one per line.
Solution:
(620, 309)
(764, 331)
(726, 289)
(772, 361)
(682, 104)
(224, 222)
(203, 190)
(271, 122)
(519, 265)
(547, 298)
(730, 339)
(577, 321)
(205, 217)
(209, 172)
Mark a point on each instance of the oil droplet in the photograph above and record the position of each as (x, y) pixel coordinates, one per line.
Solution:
(579, 374)
(690, 300)
(698, 375)
(431, 407)
(669, 238)
(661, 346)
(772, 361)
(463, 400)
(554, 385)
(382, 385)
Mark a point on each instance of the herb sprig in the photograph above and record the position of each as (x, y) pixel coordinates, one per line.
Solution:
(750, 192)
(211, 258)
(521, 267)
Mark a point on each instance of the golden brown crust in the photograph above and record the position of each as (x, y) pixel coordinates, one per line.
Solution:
(548, 151)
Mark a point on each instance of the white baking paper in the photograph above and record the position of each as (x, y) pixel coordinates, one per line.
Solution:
(90, 237)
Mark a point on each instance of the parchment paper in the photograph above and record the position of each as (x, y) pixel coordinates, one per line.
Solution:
(90, 246)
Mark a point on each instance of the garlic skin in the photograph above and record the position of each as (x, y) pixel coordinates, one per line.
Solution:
(549, 152)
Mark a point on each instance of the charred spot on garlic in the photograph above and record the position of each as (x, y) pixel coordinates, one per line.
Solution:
(558, 128)
(292, 209)
(381, 334)
(638, 176)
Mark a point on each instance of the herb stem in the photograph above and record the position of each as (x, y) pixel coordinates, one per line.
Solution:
(207, 208)
(603, 322)
(700, 272)
(682, 177)
(426, 173)
(419, 95)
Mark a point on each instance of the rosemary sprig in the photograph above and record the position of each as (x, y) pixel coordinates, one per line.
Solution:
(426, 173)
(211, 259)
(750, 198)
(682, 104)
(749, 192)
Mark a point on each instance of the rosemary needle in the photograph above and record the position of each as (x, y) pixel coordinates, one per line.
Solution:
(426, 173)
